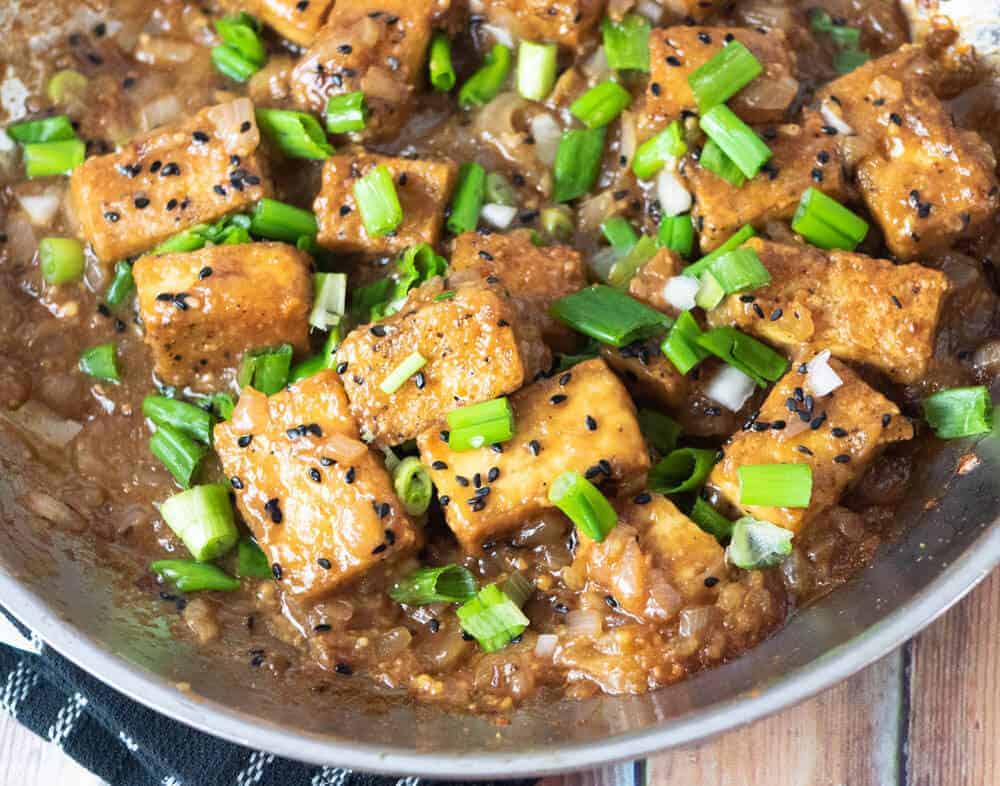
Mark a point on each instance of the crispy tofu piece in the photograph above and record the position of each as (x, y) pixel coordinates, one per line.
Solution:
(201, 310)
(862, 309)
(926, 182)
(476, 349)
(424, 189)
(669, 93)
(804, 156)
(292, 19)
(652, 545)
(154, 187)
(374, 46)
(853, 424)
(649, 281)
(320, 502)
(565, 22)
(534, 275)
(648, 372)
(552, 437)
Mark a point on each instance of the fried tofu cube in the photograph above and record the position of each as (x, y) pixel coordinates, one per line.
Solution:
(650, 281)
(653, 545)
(677, 52)
(838, 435)
(535, 276)
(201, 310)
(553, 435)
(377, 47)
(476, 349)
(154, 187)
(292, 19)
(698, 10)
(424, 190)
(319, 502)
(804, 156)
(567, 22)
(862, 309)
(648, 372)
(927, 183)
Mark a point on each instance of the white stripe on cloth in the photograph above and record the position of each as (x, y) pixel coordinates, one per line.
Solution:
(17, 687)
(410, 781)
(66, 720)
(170, 780)
(254, 770)
(330, 776)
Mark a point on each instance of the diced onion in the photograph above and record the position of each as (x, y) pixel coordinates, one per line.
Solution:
(731, 388)
(499, 216)
(500, 34)
(674, 197)
(832, 118)
(651, 10)
(584, 622)
(679, 292)
(343, 449)
(160, 112)
(545, 646)
(546, 132)
(41, 208)
(6, 143)
(229, 119)
(596, 66)
(600, 264)
(251, 413)
(820, 377)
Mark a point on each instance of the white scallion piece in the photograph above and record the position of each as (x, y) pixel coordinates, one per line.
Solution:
(498, 216)
(680, 291)
(820, 376)
(731, 388)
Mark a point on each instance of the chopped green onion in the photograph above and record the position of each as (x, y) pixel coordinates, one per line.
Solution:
(584, 504)
(181, 243)
(415, 266)
(684, 469)
(499, 191)
(251, 561)
(189, 576)
(736, 138)
(230, 63)
(444, 584)
(714, 160)
(178, 453)
(758, 361)
(446, 295)
(42, 159)
(122, 285)
(329, 300)
(758, 544)
(47, 129)
(346, 113)
(492, 618)
(776, 485)
(275, 220)
(846, 60)
(518, 588)
(266, 369)
(100, 362)
(483, 86)
(412, 483)
(406, 369)
(739, 270)
(66, 85)
(61, 259)
(468, 198)
(608, 315)
(710, 292)
(442, 72)
(681, 344)
(376, 196)
(187, 418)
(710, 520)
(536, 70)
(735, 240)
(619, 234)
(486, 423)
(959, 412)
(677, 234)
(557, 223)
(202, 517)
(661, 431)
(297, 134)
(625, 268)
(324, 359)
(578, 162)
(240, 33)
(826, 223)
(729, 71)
(220, 404)
(653, 154)
(626, 43)
(601, 104)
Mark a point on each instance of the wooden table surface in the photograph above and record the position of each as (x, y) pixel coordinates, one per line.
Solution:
(926, 715)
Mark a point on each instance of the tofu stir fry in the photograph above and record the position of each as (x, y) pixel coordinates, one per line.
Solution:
(490, 350)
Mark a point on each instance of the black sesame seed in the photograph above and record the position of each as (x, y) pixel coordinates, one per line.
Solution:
(776, 315)
(778, 425)
(170, 170)
(379, 548)
(321, 628)
(758, 310)
(377, 330)
(324, 563)
(592, 472)
(558, 398)
(276, 571)
(325, 461)
(804, 449)
(171, 204)
(236, 483)
(341, 367)
(112, 217)
(205, 272)
(493, 474)
(273, 509)
(610, 600)
(534, 447)
(673, 61)
(643, 499)
(350, 475)
(842, 458)
(345, 49)
(837, 431)
(245, 126)
(655, 88)
(461, 480)
(420, 380)
(896, 119)
(199, 136)
(434, 626)
(591, 423)
(245, 440)
(817, 175)
(704, 37)
(141, 202)
(439, 465)
(220, 190)
(829, 130)
(344, 669)
(711, 581)
(302, 5)
(315, 474)
(444, 499)
(822, 156)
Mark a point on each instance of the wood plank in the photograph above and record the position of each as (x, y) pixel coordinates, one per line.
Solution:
(954, 720)
(27, 760)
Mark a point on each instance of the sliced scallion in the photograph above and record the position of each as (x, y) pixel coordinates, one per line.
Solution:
(584, 504)
(684, 469)
(736, 139)
(578, 162)
(776, 485)
(731, 69)
(826, 223)
(276, 220)
(230, 63)
(202, 517)
(536, 70)
(346, 113)
(710, 520)
(406, 369)
(378, 202)
(735, 240)
(626, 43)
(756, 545)
(483, 86)
(492, 618)
(681, 344)
(758, 361)
(66, 85)
(251, 561)
(177, 452)
(739, 270)
(297, 134)
(189, 576)
(485, 423)
(468, 198)
(625, 268)
(439, 65)
(714, 160)
(266, 370)
(61, 259)
(608, 315)
(652, 154)
(959, 412)
(601, 104)
(444, 584)
(661, 431)
(619, 234)
(101, 362)
(122, 285)
(412, 484)
(186, 418)
(47, 129)
(329, 300)
(677, 234)
(241, 34)
(43, 159)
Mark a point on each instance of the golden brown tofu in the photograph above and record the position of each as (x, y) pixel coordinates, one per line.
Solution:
(476, 349)
(649, 281)
(377, 47)
(676, 52)
(319, 502)
(698, 10)
(838, 435)
(201, 310)
(534, 275)
(804, 156)
(552, 436)
(862, 309)
(154, 187)
(655, 561)
(297, 21)
(926, 182)
(424, 189)
(564, 22)
(648, 372)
